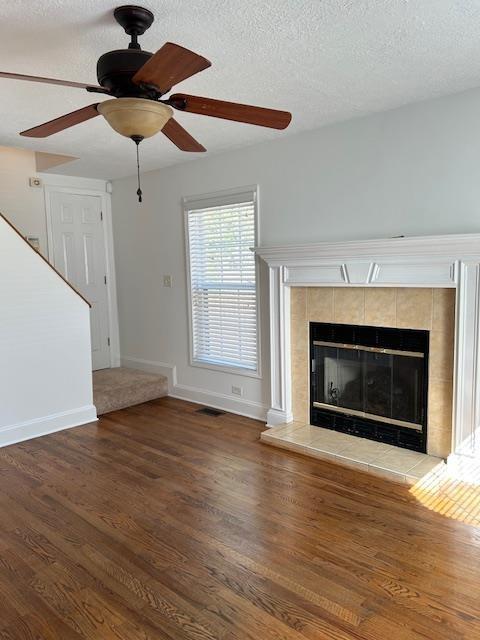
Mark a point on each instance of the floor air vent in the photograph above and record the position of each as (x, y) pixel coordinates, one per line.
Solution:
(210, 411)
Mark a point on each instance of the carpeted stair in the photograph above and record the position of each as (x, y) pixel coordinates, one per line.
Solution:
(120, 387)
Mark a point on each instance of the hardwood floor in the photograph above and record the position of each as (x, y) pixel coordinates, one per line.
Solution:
(160, 523)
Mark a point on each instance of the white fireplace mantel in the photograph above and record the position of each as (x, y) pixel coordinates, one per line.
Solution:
(433, 261)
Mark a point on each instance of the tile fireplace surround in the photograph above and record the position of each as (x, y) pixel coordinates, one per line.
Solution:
(423, 282)
(409, 308)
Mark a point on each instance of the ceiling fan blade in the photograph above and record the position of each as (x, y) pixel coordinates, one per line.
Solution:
(231, 111)
(63, 122)
(63, 83)
(180, 137)
(169, 66)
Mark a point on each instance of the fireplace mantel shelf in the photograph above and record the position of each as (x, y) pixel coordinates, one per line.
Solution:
(446, 261)
(441, 246)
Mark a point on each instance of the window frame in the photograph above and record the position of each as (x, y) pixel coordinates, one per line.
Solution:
(222, 198)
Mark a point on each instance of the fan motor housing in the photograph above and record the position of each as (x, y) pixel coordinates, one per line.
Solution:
(115, 70)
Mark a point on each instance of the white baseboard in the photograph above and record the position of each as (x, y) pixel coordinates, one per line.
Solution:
(48, 424)
(242, 407)
(276, 417)
(152, 366)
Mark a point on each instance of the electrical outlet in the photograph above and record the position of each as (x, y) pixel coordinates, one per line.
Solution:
(237, 391)
(167, 281)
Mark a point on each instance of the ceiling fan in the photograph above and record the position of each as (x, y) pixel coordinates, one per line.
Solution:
(136, 80)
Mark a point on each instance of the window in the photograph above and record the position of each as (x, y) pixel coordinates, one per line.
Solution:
(222, 279)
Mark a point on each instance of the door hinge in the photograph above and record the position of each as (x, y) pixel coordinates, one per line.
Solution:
(101, 215)
(105, 279)
(108, 341)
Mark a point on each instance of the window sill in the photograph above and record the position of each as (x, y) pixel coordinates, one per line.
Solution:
(238, 371)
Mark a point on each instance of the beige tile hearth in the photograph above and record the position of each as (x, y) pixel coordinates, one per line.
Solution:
(399, 465)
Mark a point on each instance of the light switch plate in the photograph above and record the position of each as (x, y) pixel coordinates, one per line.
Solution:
(167, 281)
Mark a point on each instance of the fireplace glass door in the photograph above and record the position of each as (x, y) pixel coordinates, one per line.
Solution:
(372, 382)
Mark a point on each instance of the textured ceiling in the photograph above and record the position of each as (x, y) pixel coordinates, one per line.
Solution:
(323, 60)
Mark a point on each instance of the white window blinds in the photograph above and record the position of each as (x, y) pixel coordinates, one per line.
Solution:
(220, 233)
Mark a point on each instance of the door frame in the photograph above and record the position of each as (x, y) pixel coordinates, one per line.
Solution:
(90, 187)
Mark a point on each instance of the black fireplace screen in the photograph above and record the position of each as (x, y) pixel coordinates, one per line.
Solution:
(370, 381)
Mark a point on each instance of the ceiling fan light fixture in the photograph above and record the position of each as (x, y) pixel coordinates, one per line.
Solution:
(135, 116)
(137, 80)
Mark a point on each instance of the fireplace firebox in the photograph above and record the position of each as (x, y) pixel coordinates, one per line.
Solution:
(370, 382)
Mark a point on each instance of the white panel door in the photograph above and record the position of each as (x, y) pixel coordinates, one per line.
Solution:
(79, 254)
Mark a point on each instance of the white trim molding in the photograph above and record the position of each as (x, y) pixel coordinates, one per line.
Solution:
(432, 261)
(19, 432)
(152, 366)
(241, 406)
(222, 198)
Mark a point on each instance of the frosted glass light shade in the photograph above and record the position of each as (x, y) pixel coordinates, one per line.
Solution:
(135, 116)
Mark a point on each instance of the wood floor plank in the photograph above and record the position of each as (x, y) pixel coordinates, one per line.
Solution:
(159, 523)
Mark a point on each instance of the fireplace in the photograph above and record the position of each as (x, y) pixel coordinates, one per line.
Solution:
(371, 382)
(423, 283)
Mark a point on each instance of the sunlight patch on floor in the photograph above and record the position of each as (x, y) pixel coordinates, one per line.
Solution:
(452, 498)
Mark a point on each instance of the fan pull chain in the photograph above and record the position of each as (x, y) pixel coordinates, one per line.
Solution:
(137, 140)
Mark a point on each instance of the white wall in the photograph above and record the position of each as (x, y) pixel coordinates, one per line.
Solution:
(23, 205)
(25, 208)
(45, 373)
(412, 171)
